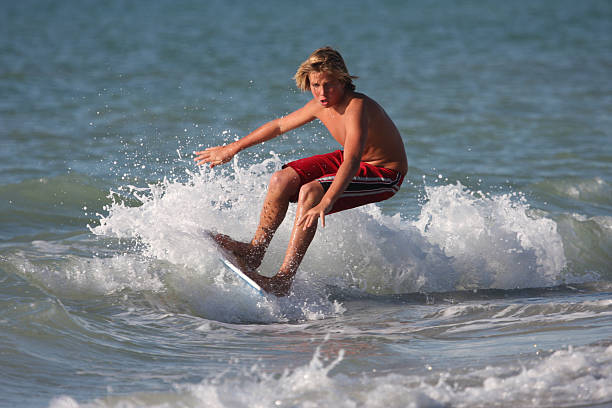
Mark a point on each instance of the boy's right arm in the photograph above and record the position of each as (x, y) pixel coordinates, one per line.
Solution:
(222, 154)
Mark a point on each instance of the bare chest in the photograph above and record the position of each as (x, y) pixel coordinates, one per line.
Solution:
(335, 126)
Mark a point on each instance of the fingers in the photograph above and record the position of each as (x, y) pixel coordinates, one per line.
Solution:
(211, 156)
(309, 219)
(202, 157)
(312, 220)
(304, 221)
(201, 161)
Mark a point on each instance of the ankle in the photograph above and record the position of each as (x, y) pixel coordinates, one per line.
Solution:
(255, 255)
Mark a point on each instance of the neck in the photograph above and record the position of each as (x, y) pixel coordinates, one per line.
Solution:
(341, 105)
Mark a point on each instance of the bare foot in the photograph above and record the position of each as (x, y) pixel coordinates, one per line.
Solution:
(278, 285)
(245, 253)
(248, 261)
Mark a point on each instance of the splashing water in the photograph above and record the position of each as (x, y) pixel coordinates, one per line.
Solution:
(461, 239)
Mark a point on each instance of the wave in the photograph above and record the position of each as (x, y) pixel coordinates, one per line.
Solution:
(587, 243)
(565, 377)
(153, 239)
(594, 191)
(589, 197)
(508, 319)
(460, 240)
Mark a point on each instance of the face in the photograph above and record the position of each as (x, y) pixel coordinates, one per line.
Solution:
(326, 88)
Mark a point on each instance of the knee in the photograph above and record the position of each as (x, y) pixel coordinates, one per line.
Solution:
(310, 194)
(284, 182)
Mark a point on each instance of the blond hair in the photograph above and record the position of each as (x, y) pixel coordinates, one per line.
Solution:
(324, 59)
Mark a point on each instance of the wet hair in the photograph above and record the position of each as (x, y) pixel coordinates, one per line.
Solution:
(324, 59)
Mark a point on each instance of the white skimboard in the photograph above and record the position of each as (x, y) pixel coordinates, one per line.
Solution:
(228, 260)
(229, 265)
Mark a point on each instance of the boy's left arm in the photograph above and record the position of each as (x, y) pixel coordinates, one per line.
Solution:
(356, 133)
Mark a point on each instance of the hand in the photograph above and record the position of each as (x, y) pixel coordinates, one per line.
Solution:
(309, 218)
(215, 155)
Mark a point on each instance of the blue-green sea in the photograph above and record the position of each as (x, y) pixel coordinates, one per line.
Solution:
(485, 282)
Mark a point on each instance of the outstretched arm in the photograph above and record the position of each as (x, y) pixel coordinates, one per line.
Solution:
(222, 154)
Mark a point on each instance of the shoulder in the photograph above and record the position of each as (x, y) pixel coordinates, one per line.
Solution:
(358, 105)
(361, 101)
(364, 105)
(364, 100)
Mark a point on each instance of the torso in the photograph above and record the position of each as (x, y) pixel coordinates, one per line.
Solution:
(383, 145)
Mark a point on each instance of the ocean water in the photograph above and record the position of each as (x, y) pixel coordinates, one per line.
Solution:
(485, 282)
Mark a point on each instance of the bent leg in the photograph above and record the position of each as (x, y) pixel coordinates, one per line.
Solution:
(283, 185)
(310, 195)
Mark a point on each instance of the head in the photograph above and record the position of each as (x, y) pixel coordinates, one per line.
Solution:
(326, 60)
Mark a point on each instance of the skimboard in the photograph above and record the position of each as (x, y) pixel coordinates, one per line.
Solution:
(228, 260)
(230, 266)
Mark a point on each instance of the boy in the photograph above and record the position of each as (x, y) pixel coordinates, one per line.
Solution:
(371, 168)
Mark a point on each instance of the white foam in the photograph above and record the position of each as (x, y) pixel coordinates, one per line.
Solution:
(76, 277)
(495, 241)
(460, 240)
(569, 376)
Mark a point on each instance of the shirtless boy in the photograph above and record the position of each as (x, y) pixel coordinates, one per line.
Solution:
(371, 167)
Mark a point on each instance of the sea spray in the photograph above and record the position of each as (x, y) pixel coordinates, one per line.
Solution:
(495, 241)
(461, 239)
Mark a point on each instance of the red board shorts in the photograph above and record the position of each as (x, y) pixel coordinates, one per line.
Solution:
(371, 184)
